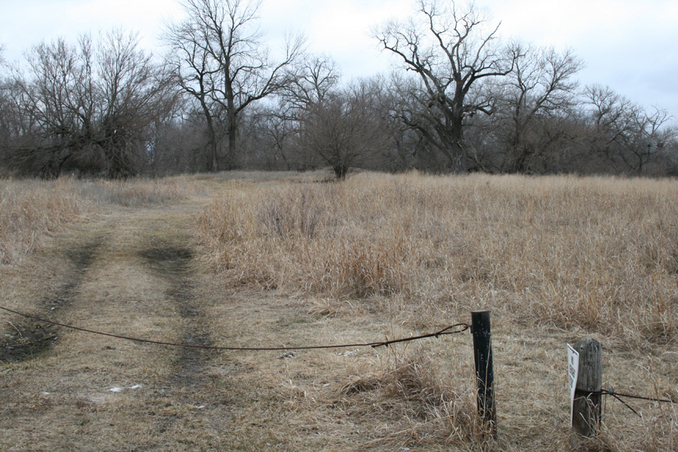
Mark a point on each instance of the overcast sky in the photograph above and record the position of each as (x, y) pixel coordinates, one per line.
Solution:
(629, 45)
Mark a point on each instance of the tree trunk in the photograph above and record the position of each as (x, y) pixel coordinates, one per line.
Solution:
(232, 116)
(211, 137)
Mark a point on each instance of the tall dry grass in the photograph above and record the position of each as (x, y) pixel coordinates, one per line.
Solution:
(139, 192)
(599, 254)
(31, 210)
(584, 256)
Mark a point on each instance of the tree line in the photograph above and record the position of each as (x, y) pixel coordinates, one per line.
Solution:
(460, 100)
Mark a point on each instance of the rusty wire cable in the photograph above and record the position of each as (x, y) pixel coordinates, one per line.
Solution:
(614, 393)
(619, 395)
(452, 329)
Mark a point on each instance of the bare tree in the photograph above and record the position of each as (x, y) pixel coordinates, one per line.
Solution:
(135, 93)
(196, 74)
(57, 98)
(317, 76)
(538, 92)
(450, 52)
(3, 99)
(343, 130)
(17, 123)
(221, 61)
(89, 107)
(621, 131)
(5, 111)
(279, 123)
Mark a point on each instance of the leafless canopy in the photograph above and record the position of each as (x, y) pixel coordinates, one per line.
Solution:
(450, 51)
(88, 105)
(220, 61)
(530, 99)
(344, 129)
(626, 134)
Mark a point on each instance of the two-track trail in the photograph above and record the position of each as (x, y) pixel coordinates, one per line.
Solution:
(135, 272)
(128, 272)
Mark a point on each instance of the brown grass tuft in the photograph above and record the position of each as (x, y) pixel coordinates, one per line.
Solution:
(31, 210)
(409, 388)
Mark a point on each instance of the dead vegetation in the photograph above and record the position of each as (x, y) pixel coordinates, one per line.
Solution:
(31, 210)
(408, 387)
(279, 260)
(579, 256)
(596, 254)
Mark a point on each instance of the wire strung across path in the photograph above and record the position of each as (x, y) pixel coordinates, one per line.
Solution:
(452, 329)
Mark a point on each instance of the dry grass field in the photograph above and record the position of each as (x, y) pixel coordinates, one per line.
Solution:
(245, 259)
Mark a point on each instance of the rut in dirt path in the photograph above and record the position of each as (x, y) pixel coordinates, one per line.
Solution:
(32, 338)
(173, 264)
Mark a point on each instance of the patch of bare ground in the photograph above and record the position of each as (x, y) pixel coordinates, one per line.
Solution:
(190, 381)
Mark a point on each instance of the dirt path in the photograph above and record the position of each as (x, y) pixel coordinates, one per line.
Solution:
(133, 272)
(130, 273)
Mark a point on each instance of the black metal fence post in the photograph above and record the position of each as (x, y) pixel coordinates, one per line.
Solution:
(482, 352)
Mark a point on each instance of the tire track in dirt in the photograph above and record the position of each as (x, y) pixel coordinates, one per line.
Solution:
(172, 263)
(190, 388)
(32, 338)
